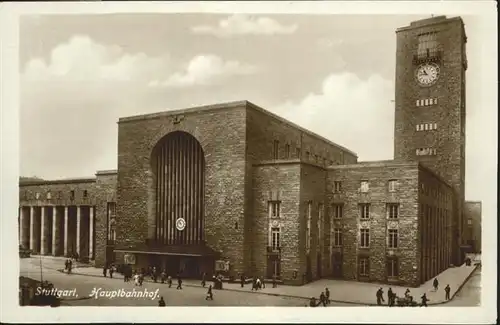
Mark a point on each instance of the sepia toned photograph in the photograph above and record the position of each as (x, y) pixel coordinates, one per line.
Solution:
(210, 159)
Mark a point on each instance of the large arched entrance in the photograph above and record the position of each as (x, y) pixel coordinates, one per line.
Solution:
(178, 165)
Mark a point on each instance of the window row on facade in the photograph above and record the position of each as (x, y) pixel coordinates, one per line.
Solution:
(308, 156)
(426, 102)
(337, 210)
(27, 195)
(426, 127)
(365, 186)
(426, 151)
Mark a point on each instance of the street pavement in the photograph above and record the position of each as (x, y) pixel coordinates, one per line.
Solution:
(188, 296)
(343, 293)
(470, 294)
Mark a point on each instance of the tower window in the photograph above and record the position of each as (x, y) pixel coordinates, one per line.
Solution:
(392, 210)
(337, 186)
(364, 240)
(393, 238)
(337, 211)
(427, 45)
(392, 185)
(364, 211)
(365, 186)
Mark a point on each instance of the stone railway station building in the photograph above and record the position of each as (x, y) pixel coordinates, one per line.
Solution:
(233, 188)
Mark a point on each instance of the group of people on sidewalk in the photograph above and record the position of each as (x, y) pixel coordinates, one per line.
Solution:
(324, 299)
(408, 298)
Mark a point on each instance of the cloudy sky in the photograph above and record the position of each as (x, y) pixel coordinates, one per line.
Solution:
(331, 74)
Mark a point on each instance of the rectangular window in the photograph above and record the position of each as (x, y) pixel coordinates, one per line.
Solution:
(435, 101)
(364, 211)
(469, 222)
(59, 195)
(417, 102)
(49, 195)
(393, 238)
(111, 214)
(337, 186)
(392, 267)
(287, 151)
(297, 153)
(364, 266)
(274, 209)
(85, 194)
(392, 185)
(337, 237)
(364, 238)
(365, 186)
(392, 210)
(337, 211)
(276, 144)
(308, 155)
(275, 238)
(72, 195)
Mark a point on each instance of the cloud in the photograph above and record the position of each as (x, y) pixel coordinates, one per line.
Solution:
(83, 59)
(204, 69)
(353, 112)
(245, 25)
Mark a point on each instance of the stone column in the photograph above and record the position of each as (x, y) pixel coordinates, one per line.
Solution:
(91, 232)
(44, 232)
(23, 236)
(65, 231)
(56, 231)
(32, 228)
(78, 229)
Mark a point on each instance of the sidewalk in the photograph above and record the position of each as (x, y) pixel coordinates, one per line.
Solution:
(358, 293)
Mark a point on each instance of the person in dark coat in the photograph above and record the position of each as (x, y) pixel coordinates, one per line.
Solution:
(322, 299)
(242, 280)
(161, 302)
(447, 292)
(169, 281)
(210, 295)
(380, 296)
(163, 276)
(179, 283)
(313, 303)
(327, 295)
(435, 284)
(390, 297)
(203, 280)
(111, 270)
(424, 300)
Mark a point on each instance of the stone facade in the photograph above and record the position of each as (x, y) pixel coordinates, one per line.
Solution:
(277, 199)
(472, 233)
(432, 117)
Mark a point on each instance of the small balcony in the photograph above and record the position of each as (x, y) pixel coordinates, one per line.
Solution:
(429, 56)
(273, 250)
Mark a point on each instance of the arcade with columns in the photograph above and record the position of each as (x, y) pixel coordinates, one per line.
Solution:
(58, 230)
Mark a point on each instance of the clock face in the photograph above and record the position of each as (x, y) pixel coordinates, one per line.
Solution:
(427, 74)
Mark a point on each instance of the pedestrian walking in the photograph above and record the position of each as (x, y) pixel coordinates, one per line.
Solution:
(327, 295)
(163, 276)
(424, 300)
(203, 280)
(155, 275)
(322, 299)
(111, 271)
(390, 297)
(210, 295)
(380, 296)
(105, 271)
(447, 292)
(242, 280)
(161, 302)
(136, 279)
(179, 283)
(169, 281)
(263, 283)
(435, 284)
(141, 278)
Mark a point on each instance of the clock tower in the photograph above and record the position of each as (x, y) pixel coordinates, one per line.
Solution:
(430, 104)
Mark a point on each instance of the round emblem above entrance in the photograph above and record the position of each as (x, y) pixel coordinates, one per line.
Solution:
(180, 224)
